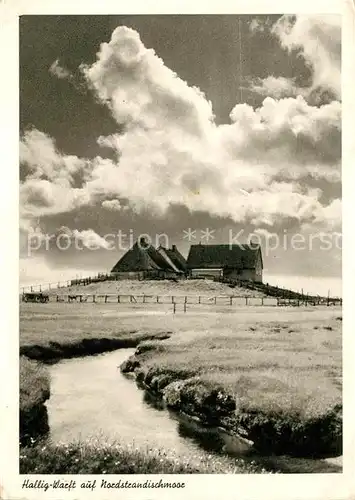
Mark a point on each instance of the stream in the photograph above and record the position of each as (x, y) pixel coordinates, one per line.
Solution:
(91, 398)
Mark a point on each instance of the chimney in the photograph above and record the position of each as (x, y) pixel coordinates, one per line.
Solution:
(173, 247)
(143, 243)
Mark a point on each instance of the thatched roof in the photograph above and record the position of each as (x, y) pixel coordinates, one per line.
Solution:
(144, 257)
(223, 256)
(174, 257)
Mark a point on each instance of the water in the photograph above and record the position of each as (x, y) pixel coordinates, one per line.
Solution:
(90, 398)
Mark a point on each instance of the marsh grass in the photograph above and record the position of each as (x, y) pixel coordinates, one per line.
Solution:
(96, 457)
(34, 384)
(286, 386)
(34, 391)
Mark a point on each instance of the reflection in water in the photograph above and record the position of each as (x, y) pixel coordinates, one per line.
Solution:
(154, 402)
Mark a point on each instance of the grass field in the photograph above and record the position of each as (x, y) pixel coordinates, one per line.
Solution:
(283, 363)
(289, 366)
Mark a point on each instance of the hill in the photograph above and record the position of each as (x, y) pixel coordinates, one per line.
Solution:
(161, 287)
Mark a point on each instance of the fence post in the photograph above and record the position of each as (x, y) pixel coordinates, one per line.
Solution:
(199, 299)
(80, 298)
(143, 299)
(262, 301)
(105, 299)
(185, 299)
(118, 299)
(246, 301)
(215, 300)
(157, 299)
(31, 288)
(230, 300)
(57, 298)
(172, 299)
(184, 307)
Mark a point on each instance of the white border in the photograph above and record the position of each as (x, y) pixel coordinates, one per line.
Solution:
(283, 487)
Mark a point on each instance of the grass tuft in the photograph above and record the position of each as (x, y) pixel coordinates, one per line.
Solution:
(98, 458)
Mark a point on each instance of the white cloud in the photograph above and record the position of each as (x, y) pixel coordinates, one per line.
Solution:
(59, 71)
(49, 184)
(171, 150)
(141, 90)
(277, 87)
(113, 205)
(90, 239)
(318, 40)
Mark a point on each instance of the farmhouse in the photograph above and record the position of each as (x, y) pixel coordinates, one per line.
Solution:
(240, 262)
(145, 261)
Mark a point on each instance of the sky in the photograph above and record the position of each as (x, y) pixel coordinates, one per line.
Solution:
(207, 128)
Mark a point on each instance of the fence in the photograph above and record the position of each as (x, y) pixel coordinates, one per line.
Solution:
(221, 300)
(96, 279)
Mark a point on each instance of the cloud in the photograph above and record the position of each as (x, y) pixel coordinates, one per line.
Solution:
(277, 87)
(59, 71)
(260, 25)
(114, 205)
(172, 152)
(140, 89)
(52, 181)
(318, 40)
(288, 131)
(90, 239)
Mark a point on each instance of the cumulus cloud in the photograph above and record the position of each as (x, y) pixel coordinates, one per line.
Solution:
(65, 238)
(90, 239)
(114, 205)
(277, 87)
(172, 152)
(318, 40)
(59, 71)
(53, 181)
(141, 90)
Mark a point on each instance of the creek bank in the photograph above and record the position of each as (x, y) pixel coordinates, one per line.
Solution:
(34, 392)
(275, 432)
(56, 351)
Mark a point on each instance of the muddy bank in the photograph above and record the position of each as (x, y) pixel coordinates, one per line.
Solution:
(34, 392)
(33, 424)
(270, 433)
(56, 351)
